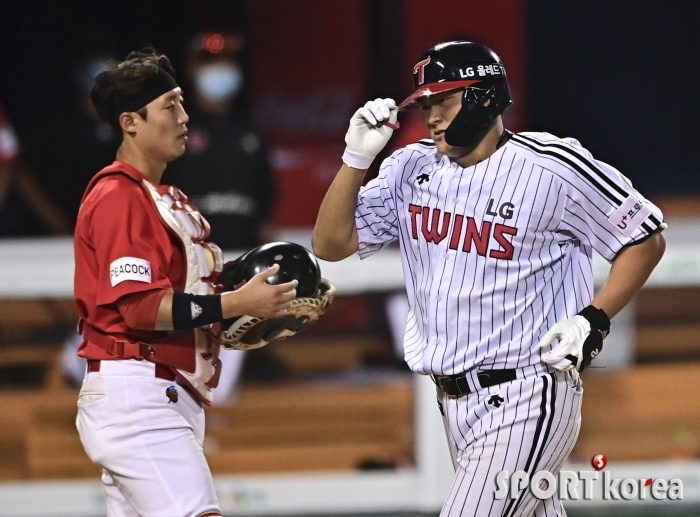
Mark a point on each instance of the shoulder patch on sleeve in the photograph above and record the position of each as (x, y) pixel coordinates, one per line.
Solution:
(629, 216)
(130, 268)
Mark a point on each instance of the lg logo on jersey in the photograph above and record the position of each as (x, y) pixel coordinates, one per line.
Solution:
(488, 238)
(505, 210)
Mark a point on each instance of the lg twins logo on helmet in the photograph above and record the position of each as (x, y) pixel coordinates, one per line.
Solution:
(420, 69)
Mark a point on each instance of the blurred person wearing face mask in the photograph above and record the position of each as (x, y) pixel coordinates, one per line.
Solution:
(225, 169)
(226, 172)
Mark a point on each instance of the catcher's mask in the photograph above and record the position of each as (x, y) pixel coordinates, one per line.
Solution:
(295, 261)
(475, 68)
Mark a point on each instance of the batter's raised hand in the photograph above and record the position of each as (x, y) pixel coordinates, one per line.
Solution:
(369, 131)
(258, 298)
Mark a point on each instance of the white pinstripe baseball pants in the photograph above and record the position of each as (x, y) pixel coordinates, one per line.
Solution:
(528, 424)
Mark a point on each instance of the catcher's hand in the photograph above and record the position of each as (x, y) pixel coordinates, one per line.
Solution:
(580, 340)
(248, 332)
(370, 129)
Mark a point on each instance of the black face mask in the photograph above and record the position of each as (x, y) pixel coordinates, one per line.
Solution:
(479, 109)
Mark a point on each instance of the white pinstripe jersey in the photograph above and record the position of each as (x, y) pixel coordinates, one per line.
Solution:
(495, 254)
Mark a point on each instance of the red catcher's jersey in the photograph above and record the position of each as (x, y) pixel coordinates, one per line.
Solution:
(122, 246)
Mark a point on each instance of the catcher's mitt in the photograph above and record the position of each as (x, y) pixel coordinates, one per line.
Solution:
(248, 332)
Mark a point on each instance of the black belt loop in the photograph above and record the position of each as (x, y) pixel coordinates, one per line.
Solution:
(456, 386)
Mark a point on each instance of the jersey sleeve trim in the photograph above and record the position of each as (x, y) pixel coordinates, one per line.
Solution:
(588, 170)
(592, 173)
(566, 156)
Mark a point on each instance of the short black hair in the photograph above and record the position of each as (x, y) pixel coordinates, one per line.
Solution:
(122, 82)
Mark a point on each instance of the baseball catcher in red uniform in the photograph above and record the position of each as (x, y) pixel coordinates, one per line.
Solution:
(144, 287)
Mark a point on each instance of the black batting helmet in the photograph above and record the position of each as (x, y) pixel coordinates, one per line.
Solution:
(477, 69)
(295, 261)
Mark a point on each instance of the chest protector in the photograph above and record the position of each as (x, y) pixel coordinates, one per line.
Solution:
(204, 261)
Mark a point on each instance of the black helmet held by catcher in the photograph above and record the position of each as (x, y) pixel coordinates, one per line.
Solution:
(295, 261)
(477, 69)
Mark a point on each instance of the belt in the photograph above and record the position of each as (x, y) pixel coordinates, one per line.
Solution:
(456, 386)
(161, 371)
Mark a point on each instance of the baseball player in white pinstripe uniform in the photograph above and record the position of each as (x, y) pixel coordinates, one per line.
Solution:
(497, 232)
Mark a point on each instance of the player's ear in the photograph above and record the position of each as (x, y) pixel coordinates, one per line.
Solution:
(128, 122)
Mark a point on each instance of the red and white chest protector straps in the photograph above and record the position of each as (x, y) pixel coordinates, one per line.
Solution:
(204, 261)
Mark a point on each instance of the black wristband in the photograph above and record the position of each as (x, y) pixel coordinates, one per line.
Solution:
(191, 310)
(597, 318)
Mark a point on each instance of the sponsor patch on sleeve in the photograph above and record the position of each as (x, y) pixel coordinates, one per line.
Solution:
(130, 268)
(630, 216)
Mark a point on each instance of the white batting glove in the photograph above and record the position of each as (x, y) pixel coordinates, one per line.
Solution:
(580, 340)
(566, 355)
(368, 133)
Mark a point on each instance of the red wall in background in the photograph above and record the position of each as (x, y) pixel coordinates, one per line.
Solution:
(307, 75)
(306, 66)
